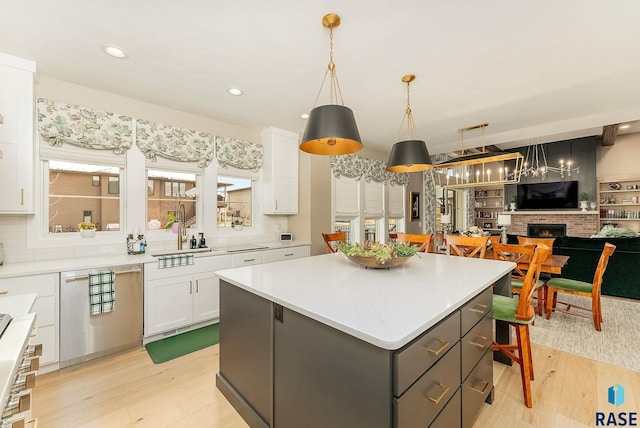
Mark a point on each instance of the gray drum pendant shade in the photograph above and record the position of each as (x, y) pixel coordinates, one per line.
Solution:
(409, 156)
(331, 130)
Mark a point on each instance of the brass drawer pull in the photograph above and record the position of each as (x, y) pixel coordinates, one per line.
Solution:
(480, 308)
(436, 400)
(4, 292)
(484, 384)
(477, 343)
(443, 346)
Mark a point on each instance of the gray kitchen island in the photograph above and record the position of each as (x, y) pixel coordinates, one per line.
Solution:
(322, 342)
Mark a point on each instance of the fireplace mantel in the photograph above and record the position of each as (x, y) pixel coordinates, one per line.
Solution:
(551, 212)
(579, 223)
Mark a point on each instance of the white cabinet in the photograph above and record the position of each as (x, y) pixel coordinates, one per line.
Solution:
(247, 258)
(46, 309)
(280, 172)
(288, 253)
(181, 296)
(16, 134)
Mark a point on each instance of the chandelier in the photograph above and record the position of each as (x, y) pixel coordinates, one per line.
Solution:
(535, 164)
(479, 169)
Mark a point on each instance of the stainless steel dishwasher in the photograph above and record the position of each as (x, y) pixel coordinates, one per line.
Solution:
(84, 336)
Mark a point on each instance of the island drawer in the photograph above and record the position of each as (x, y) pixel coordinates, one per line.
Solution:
(421, 403)
(476, 388)
(475, 344)
(288, 253)
(418, 356)
(450, 416)
(475, 310)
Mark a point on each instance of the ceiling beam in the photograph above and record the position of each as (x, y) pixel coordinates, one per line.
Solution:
(609, 134)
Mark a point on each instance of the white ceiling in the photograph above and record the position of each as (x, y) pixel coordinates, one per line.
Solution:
(530, 69)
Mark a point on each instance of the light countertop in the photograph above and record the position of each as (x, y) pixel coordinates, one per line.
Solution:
(9, 270)
(387, 308)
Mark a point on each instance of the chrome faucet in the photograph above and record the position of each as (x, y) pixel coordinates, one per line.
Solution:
(180, 218)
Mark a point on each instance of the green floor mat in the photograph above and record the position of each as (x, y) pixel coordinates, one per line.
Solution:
(176, 346)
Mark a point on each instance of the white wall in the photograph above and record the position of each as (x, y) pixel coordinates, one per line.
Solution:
(619, 161)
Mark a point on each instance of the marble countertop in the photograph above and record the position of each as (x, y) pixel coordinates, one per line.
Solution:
(9, 270)
(387, 308)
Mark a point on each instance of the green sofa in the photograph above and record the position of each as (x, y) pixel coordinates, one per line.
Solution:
(622, 277)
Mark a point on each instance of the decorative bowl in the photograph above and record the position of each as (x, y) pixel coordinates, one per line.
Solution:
(373, 263)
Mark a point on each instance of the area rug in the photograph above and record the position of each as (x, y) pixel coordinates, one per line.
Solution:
(616, 344)
(176, 346)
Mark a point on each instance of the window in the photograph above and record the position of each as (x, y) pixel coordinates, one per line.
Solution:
(168, 193)
(234, 201)
(74, 197)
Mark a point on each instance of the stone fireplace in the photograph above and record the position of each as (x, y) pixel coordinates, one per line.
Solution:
(577, 223)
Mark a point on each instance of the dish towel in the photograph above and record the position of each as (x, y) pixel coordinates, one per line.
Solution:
(102, 295)
(175, 260)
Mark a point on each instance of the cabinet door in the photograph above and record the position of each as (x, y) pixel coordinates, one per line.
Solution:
(16, 140)
(168, 304)
(46, 309)
(206, 303)
(280, 172)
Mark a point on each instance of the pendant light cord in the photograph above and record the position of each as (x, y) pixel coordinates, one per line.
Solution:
(411, 126)
(335, 93)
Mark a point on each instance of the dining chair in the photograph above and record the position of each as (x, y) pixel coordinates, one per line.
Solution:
(466, 246)
(514, 252)
(519, 313)
(393, 237)
(524, 240)
(332, 240)
(580, 288)
(422, 240)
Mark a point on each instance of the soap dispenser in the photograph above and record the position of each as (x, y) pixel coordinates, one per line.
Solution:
(193, 242)
(202, 241)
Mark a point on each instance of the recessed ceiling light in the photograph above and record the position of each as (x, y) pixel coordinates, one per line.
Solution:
(114, 51)
(235, 91)
(304, 116)
(625, 126)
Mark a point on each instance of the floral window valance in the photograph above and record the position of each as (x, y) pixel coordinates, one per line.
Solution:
(60, 123)
(355, 166)
(351, 166)
(376, 171)
(173, 143)
(239, 154)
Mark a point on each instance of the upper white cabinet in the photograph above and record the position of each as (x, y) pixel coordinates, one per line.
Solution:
(16, 134)
(280, 171)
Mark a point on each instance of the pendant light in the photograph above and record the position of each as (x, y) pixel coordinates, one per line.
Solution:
(331, 129)
(410, 155)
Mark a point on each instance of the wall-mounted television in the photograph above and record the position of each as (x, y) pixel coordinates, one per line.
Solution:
(547, 196)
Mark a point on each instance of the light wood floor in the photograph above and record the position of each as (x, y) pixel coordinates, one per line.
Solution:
(128, 389)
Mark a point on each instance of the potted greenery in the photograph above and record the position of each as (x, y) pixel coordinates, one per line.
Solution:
(87, 230)
(512, 204)
(584, 201)
(237, 224)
